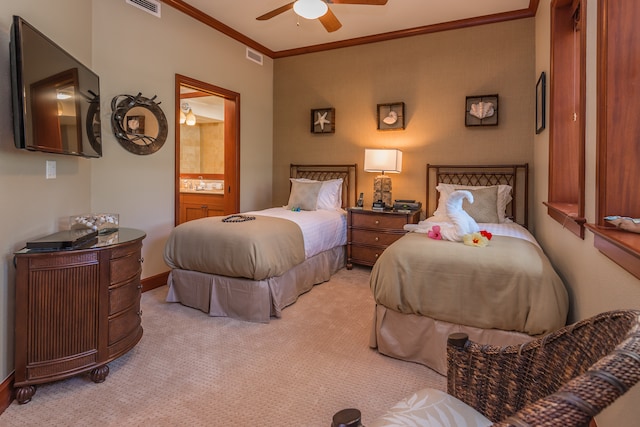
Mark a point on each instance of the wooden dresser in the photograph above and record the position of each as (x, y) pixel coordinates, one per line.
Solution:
(369, 232)
(76, 310)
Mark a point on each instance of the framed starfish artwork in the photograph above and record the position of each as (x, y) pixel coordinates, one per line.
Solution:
(323, 120)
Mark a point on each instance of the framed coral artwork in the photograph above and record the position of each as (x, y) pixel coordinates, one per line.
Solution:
(481, 110)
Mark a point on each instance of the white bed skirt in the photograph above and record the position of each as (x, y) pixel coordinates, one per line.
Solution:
(251, 300)
(424, 340)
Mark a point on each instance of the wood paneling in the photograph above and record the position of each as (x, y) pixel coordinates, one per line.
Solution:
(618, 152)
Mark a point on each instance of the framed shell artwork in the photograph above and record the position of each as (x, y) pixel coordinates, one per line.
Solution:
(481, 110)
(391, 116)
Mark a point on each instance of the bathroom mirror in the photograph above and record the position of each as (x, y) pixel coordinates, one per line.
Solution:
(202, 133)
(138, 123)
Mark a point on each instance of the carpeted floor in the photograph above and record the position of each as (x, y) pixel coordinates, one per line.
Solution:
(196, 370)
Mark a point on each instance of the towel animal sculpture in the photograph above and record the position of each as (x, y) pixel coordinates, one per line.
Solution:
(455, 225)
(462, 220)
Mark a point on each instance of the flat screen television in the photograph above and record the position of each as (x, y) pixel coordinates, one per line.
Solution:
(56, 99)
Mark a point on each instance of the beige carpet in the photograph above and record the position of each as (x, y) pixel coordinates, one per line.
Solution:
(192, 369)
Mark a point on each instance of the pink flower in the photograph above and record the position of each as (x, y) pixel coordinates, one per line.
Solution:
(434, 233)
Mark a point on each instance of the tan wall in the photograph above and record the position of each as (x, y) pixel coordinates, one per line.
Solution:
(189, 149)
(432, 75)
(161, 54)
(212, 148)
(596, 283)
(202, 148)
(33, 206)
(140, 188)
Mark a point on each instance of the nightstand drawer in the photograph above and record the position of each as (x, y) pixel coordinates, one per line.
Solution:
(381, 221)
(374, 237)
(370, 232)
(366, 255)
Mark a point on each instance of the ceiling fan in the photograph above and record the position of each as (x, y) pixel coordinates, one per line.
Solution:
(318, 9)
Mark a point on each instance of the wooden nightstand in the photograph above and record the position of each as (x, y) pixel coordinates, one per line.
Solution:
(369, 232)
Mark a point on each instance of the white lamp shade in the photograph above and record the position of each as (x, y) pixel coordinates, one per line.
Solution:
(190, 118)
(382, 160)
(310, 9)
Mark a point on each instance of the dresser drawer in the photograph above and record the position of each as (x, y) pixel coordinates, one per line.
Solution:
(123, 296)
(367, 255)
(126, 250)
(125, 268)
(124, 324)
(374, 237)
(382, 221)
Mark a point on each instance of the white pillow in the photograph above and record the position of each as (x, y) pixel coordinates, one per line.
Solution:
(431, 407)
(504, 197)
(484, 207)
(330, 196)
(304, 195)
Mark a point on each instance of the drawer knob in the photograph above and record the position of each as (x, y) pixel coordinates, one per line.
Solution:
(377, 221)
(377, 255)
(139, 286)
(377, 238)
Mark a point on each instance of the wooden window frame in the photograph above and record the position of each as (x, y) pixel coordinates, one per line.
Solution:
(567, 114)
(617, 174)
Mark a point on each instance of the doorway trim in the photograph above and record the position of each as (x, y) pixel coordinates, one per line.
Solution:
(231, 142)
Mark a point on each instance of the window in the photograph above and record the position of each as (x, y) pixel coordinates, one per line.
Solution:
(618, 156)
(567, 114)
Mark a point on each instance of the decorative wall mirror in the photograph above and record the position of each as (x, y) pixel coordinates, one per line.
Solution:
(138, 123)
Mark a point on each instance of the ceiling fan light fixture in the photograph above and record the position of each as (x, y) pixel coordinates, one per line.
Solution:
(310, 9)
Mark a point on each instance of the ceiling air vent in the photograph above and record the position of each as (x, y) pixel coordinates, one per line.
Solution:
(254, 56)
(150, 6)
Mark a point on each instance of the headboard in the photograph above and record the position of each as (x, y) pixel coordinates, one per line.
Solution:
(348, 173)
(517, 176)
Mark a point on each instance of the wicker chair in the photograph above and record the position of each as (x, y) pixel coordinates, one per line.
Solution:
(562, 379)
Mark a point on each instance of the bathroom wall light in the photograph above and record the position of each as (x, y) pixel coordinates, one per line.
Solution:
(186, 115)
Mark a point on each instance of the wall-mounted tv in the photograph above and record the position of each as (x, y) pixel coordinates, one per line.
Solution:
(56, 99)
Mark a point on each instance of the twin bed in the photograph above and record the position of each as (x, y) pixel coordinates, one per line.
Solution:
(504, 293)
(251, 266)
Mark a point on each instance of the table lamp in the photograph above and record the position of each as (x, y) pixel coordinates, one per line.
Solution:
(382, 160)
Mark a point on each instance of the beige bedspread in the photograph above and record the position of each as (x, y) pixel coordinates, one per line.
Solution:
(508, 285)
(257, 249)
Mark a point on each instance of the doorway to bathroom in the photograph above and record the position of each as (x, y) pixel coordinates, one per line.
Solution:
(207, 154)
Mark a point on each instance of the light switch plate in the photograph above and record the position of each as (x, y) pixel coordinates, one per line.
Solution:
(51, 169)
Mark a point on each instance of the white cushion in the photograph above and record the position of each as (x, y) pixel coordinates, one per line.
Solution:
(431, 408)
(485, 205)
(504, 197)
(304, 195)
(330, 196)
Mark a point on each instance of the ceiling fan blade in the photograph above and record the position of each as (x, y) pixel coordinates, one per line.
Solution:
(367, 2)
(276, 12)
(330, 21)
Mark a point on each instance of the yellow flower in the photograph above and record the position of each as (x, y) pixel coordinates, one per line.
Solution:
(475, 239)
